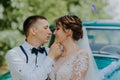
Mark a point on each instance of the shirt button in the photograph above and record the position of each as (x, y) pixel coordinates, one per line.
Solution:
(36, 65)
(52, 65)
(20, 70)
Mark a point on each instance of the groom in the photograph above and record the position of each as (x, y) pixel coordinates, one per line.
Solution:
(31, 60)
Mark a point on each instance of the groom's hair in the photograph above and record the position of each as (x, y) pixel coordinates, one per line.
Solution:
(30, 21)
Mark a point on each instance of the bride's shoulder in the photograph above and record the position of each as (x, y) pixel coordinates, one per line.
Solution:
(81, 58)
(82, 52)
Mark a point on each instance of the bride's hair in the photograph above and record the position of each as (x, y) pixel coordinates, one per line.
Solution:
(71, 22)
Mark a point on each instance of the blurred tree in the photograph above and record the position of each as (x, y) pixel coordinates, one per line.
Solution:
(15, 11)
(88, 9)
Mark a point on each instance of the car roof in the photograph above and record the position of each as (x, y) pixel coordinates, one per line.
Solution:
(105, 23)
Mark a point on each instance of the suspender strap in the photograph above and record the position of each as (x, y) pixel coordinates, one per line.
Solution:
(46, 52)
(23, 50)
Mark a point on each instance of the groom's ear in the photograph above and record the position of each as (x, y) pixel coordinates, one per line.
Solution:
(32, 30)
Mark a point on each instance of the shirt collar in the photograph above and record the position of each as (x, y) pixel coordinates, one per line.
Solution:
(27, 45)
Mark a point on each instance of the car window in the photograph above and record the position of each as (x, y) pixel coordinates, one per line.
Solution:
(104, 39)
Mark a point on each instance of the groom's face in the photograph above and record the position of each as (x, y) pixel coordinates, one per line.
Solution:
(42, 31)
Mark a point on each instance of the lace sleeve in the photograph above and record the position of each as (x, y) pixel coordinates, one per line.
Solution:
(80, 66)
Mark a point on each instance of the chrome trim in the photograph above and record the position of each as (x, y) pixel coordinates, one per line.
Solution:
(101, 27)
(107, 56)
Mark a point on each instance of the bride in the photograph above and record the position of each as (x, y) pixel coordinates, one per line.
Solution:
(76, 61)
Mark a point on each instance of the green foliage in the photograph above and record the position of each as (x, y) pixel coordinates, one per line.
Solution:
(18, 10)
(15, 11)
(83, 9)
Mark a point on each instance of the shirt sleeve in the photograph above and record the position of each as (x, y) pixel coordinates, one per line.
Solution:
(23, 71)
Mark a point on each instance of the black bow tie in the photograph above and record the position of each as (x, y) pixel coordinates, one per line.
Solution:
(35, 51)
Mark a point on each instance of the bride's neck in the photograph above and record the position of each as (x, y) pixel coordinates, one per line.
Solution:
(70, 48)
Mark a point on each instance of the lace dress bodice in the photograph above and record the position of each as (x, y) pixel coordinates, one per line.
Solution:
(72, 68)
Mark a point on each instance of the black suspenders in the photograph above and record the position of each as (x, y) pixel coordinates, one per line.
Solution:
(24, 53)
(23, 50)
(46, 52)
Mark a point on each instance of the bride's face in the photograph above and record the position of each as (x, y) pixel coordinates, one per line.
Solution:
(60, 35)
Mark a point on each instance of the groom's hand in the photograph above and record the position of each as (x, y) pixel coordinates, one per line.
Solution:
(55, 51)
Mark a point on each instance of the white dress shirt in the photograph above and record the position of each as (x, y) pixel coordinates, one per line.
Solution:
(20, 70)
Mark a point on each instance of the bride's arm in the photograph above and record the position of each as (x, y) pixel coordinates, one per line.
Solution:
(80, 67)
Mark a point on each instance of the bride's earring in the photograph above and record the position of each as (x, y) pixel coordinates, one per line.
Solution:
(68, 36)
(69, 33)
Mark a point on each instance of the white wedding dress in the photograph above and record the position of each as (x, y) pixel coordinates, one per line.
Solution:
(77, 63)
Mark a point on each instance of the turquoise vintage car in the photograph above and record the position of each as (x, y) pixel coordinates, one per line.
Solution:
(104, 42)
